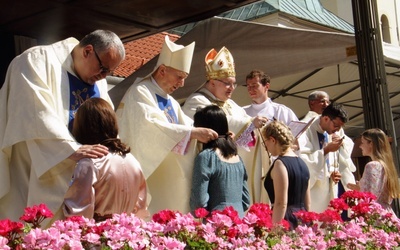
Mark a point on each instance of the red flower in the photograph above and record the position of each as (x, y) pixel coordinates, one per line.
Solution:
(7, 226)
(164, 216)
(201, 212)
(78, 219)
(285, 224)
(338, 204)
(353, 195)
(33, 214)
(306, 217)
(30, 214)
(232, 232)
(263, 213)
(361, 209)
(44, 211)
(230, 212)
(100, 228)
(260, 209)
(329, 216)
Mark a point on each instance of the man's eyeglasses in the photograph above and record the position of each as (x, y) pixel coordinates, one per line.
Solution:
(103, 69)
(227, 84)
(336, 125)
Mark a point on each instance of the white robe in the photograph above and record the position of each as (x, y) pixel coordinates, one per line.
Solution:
(154, 142)
(238, 122)
(322, 188)
(35, 140)
(310, 114)
(271, 110)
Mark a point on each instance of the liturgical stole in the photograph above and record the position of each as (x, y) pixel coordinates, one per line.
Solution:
(79, 92)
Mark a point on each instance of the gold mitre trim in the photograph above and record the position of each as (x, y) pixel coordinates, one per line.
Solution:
(176, 56)
(219, 65)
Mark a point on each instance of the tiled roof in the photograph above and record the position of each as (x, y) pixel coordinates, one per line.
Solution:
(139, 52)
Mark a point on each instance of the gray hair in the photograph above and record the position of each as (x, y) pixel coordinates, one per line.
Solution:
(103, 40)
(316, 95)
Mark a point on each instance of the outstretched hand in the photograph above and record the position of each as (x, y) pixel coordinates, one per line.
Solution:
(353, 186)
(89, 151)
(260, 121)
(204, 135)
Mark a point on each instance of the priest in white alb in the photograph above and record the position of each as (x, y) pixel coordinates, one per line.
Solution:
(160, 135)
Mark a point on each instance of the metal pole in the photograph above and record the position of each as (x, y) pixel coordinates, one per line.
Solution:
(371, 65)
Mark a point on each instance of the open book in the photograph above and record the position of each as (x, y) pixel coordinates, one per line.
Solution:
(298, 127)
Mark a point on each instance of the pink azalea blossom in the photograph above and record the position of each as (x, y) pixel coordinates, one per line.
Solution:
(370, 227)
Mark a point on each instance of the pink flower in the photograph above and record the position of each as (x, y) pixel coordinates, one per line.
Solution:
(370, 227)
(3, 243)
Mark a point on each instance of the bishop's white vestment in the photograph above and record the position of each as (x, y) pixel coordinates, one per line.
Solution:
(160, 141)
(35, 140)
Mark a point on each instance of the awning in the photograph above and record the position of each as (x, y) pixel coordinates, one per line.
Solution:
(298, 61)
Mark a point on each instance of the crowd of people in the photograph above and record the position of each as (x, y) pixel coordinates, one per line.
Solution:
(63, 144)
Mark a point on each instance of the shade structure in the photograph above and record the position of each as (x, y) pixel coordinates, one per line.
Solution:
(298, 61)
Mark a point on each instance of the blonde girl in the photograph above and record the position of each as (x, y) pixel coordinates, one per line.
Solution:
(287, 181)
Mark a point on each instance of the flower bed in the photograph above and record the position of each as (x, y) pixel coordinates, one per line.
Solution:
(369, 227)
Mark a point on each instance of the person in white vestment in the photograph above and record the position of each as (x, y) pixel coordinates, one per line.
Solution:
(218, 89)
(160, 135)
(43, 88)
(327, 155)
(112, 184)
(317, 101)
(257, 84)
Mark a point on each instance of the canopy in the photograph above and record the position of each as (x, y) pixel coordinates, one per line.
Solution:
(298, 62)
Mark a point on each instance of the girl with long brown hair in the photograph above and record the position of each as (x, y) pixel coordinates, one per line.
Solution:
(380, 176)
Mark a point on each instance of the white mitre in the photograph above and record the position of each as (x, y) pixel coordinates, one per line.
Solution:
(176, 56)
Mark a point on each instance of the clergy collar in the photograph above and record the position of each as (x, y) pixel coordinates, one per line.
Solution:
(260, 106)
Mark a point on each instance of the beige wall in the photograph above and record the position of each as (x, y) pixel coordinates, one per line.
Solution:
(389, 8)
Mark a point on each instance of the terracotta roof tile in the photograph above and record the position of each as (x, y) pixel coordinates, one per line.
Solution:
(139, 52)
